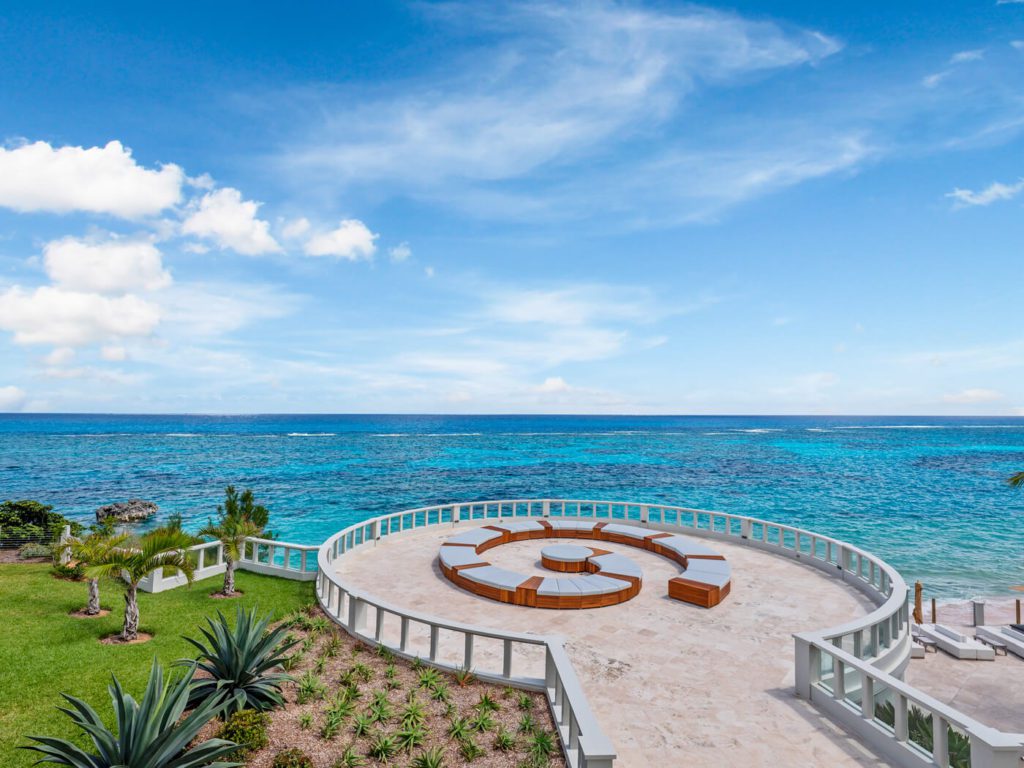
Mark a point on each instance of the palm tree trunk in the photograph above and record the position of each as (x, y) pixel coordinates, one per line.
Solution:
(130, 631)
(93, 607)
(229, 577)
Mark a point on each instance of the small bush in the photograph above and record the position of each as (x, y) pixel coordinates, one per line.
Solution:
(291, 758)
(33, 549)
(74, 572)
(248, 729)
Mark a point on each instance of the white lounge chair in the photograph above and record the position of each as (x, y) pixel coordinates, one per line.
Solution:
(1009, 636)
(956, 644)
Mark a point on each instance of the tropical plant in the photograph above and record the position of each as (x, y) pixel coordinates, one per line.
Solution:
(503, 740)
(464, 677)
(349, 759)
(291, 758)
(525, 701)
(239, 518)
(310, 687)
(1016, 480)
(412, 714)
(306, 721)
(93, 549)
(248, 729)
(527, 724)
(540, 746)
(361, 725)
(240, 661)
(151, 733)
(430, 677)
(431, 758)
(131, 562)
(383, 747)
(410, 737)
(486, 704)
(440, 692)
(458, 728)
(482, 721)
(470, 750)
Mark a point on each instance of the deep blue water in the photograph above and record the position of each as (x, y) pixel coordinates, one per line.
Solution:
(928, 494)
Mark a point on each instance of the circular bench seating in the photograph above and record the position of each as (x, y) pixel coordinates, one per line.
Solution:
(612, 578)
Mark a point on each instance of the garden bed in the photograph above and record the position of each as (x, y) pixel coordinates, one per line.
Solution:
(350, 700)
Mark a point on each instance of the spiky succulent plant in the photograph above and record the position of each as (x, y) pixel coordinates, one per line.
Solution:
(240, 661)
(150, 733)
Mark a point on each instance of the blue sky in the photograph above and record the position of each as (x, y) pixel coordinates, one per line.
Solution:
(534, 207)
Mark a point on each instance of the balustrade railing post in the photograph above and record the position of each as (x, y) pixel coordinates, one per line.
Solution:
(940, 740)
(808, 666)
(546, 508)
(468, 654)
(644, 514)
(867, 696)
(901, 724)
(745, 529)
(356, 613)
(434, 632)
(506, 658)
(378, 630)
(404, 640)
(456, 513)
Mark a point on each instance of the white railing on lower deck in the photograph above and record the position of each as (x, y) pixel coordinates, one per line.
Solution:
(872, 651)
(266, 556)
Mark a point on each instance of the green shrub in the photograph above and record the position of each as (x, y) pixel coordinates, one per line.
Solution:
(32, 549)
(291, 758)
(432, 758)
(74, 572)
(27, 519)
(248, 729)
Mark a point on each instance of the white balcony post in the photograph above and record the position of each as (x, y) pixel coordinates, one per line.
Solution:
(644, 514)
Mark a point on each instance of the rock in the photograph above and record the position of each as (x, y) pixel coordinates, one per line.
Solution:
(129, 511)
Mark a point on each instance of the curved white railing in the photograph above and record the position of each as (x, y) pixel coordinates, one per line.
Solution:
(266, 556)
(849, 671)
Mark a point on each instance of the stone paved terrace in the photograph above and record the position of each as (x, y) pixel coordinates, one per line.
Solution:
(671, 684)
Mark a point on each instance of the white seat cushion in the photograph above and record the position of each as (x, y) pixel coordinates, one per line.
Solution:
(573, 525)
(493, 576)
(519, 526)
(595, 584)
(628, 530)
(683, 546)
(619, 564)
(716, 575)
(476, 537)
(453, 557)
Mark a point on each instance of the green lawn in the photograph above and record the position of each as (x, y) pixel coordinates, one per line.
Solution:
(44, 651)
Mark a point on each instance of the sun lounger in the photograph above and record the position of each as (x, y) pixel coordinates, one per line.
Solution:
(1009, 636)
(956, 644)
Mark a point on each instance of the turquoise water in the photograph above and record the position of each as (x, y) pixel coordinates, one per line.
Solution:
(929, 495)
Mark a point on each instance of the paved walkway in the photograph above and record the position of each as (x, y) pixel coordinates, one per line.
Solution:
(671, 684)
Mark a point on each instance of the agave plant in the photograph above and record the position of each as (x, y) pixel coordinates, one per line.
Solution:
(240, 661)
(151, 733)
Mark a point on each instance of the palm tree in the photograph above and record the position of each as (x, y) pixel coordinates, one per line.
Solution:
(1017, 480)
(239, 518)
(92, 549)
(160, 548)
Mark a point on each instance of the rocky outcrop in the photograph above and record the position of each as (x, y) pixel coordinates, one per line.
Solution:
(129, 511)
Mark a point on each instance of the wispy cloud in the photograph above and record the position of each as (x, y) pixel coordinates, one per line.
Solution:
(994, 192)
(974, 396)
(556, 86)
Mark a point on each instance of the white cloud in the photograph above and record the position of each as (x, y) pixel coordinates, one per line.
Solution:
(114, 354)
(202, 310)
(1018, 44)
(556, 86)
(931, 81)
(295, 228)
(571, 306)
(39, 177)
(107, 266)
(59, 356)
(11, 398)
(429, 272)
(974, 396)
(400, 252)
(962, 57)
(553, 385)
(231, 222)
(351, 240)
(992, 193)
(51, 315)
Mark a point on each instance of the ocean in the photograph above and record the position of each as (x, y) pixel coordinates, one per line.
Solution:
(927, 494)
